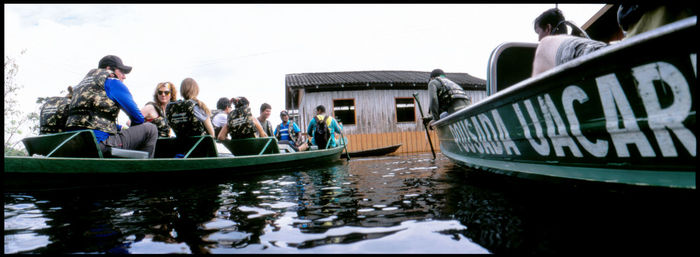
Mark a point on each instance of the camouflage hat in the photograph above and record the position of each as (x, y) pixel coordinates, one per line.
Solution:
(240, 102)
(115, 62)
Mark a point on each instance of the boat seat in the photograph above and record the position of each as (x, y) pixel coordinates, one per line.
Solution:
(79, 143)
(129, 154)
(185, 147)
(509, 64)
(252, 146)
(286, 148)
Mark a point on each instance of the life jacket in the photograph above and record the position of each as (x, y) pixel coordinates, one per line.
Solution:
(447, 93)
(213, 114)
(53, 115)
(90, 108)
(240, 123)
(322, 132)
(161, 122)
(180, 116)
(289, 129)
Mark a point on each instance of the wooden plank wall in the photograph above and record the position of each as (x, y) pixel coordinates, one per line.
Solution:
(375, 117)
(414, 141)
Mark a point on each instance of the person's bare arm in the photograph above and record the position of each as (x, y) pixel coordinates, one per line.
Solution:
(209, 127)
(223, 132)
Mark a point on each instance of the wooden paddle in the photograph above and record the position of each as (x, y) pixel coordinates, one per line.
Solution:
(415, 96)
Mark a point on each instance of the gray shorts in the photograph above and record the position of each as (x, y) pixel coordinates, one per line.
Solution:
(140, 137)
(577, 46)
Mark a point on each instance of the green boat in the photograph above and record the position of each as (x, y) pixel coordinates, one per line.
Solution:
(77, 152)
(623, 114)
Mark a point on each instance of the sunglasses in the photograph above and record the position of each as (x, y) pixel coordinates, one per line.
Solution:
(163, 92)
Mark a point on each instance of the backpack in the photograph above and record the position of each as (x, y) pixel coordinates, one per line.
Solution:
(322, 133)
(53, 115)
(240, 125)
(182, 120)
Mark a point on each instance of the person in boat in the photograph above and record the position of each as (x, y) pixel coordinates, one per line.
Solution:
(219, 116)
(154, 111)
(53, 113)
(288, 132)
(445, 97)
(550, 22)
(95, 105)
(189, 117)
(322, 129)
(240, 123)
(633, 19)
(265, 111)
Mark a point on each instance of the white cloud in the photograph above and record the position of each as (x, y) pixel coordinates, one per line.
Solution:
(246, 50)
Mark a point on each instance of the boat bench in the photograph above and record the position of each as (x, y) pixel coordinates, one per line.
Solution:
(82, 143)
(252, 146)
(79, 143)
(509, 64)
(186, 147)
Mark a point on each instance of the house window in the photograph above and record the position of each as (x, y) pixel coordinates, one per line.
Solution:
(344, 110)
(405, 110)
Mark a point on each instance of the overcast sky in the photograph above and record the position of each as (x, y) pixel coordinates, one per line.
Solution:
(246, 50)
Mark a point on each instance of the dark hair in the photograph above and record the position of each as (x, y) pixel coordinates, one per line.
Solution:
(265, 106)
(321, 109)
(436, 73)
(553, 17)
(223, 103)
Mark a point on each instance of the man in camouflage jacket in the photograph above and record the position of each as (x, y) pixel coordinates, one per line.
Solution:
(96, 103)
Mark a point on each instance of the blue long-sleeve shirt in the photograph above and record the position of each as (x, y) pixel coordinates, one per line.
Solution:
(119, 93)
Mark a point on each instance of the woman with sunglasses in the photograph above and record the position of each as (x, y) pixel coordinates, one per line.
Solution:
(154, 111)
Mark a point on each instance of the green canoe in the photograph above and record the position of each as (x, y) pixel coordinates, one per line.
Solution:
(77, 152)
(623, 114)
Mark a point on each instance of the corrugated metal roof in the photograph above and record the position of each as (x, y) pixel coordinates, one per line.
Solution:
(348, 78)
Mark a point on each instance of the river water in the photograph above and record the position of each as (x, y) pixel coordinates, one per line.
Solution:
(391, 204)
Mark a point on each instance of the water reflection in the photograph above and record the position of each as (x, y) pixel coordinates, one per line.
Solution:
(399, 204)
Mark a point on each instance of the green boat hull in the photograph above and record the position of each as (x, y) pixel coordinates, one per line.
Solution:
(624, 114)
(26, 164)
(77, 152)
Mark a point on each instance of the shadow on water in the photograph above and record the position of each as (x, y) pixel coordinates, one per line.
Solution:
(509, 215)
(393, 204)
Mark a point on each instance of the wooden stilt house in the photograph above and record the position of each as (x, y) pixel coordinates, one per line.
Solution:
(376, 108)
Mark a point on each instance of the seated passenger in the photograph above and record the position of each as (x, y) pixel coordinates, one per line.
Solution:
(53, 113)
(632, 18)
(265, 111)
(322, 129)
(154, 112)
(189, 117)
(287, 132)
(95, 105)
(240, 122)
(219, 116)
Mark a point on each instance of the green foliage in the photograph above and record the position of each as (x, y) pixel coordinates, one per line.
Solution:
(14, 118)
